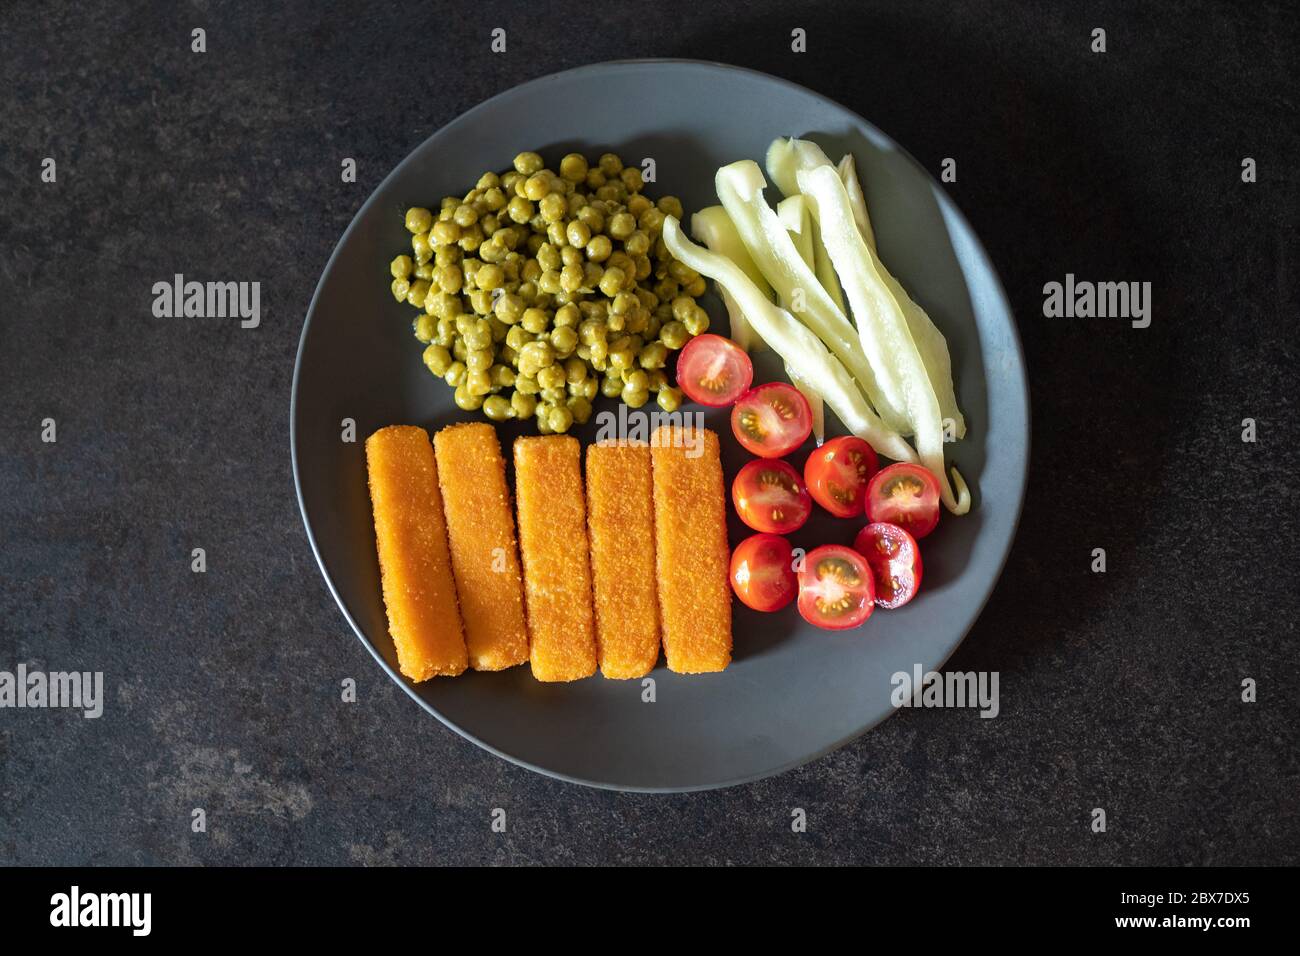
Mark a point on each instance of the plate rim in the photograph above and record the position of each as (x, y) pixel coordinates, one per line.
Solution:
(1021, 381)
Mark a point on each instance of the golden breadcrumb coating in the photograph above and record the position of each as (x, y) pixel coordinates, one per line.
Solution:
(553, 544)
(481, 532)
(620, 521)
(691, 552)
(414, 565)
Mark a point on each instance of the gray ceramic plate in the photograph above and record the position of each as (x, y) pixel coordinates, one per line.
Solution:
(793, 692)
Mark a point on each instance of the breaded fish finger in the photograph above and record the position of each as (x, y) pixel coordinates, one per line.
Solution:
(481, 533)
(414, 566)
(691, 552)
(553, 544)
(620, 522)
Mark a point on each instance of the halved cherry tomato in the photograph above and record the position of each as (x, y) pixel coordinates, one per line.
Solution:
(906, 495)
(836, 588)
(769, 496)
(762, 572)
(895, 562)
(838, 474)
(772, 420)
(714, 371)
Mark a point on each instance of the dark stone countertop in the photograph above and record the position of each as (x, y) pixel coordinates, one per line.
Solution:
(1119, 690)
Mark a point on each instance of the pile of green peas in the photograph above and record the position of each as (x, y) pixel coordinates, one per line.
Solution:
(540, 290)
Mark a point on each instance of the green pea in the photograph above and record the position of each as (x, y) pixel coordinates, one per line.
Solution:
(622, 225)
(567, 316)
(400, 289)
(552, 207)
(502, 376)
(654, 355)
(573, 167)
(497, 408)
(552, 396)
(533, 320)
(578, 233)
(623, 303)
(548, 256)
(637, 244)
(635, 398)
(674, 335)
(401, 267)
(478, 383)
(587, 388)
(446, 233)
(508, 307)
(571, 278)
(579, 408)
(479, 360)
(636, 380)
(652, 221)
(417, 293)
(549, 282)
(450, 278)
(657, 379)
(467, 400)
(520, 210)
(489, 276)
(611, 283)
(424, 327)
(670, 206)
(460, 350)
(564, 340)
(527, 163)
(437, 359)
(446, 333)
(591, 331)
(622, 356)
(526, 384)
(610, 164)
(518, 335)
(479, 336)
(552, 376)
(523, 405)
(559, 419)
(611, 387)
(537, 185)
(455, 374)
(418, 219)
(631, 177)
(681, 271)
(541, 352)
(592, 217)
(575, 370)
(683, 307)
(698, 322)
(670, 399)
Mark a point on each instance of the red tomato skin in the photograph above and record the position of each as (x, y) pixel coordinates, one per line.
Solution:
(802, 419)
(765, 553)
(745, 488)
(865, 545)
(808, 578)
(701, 396)
(819, 474)
(923, 518)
